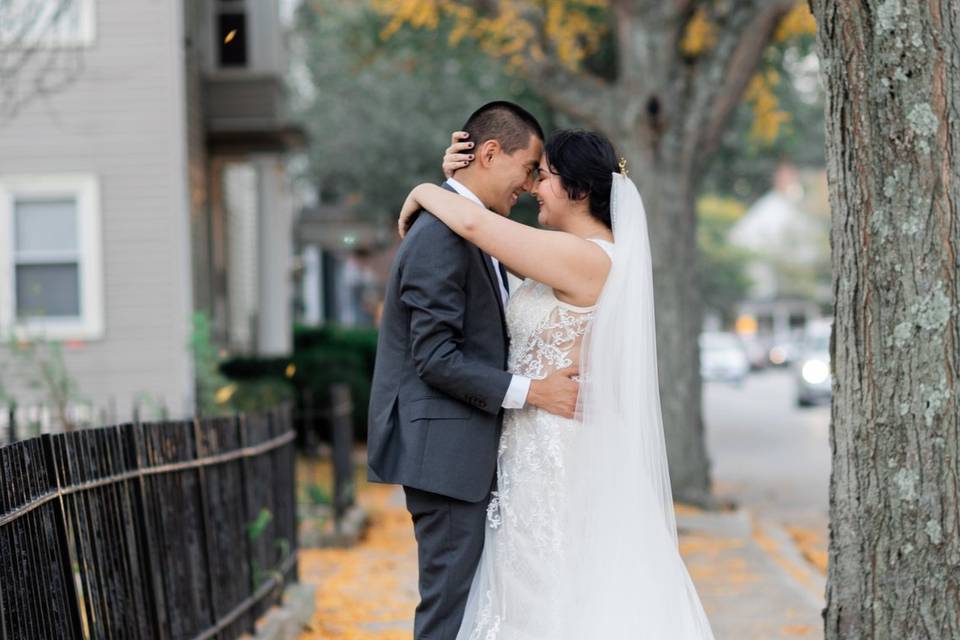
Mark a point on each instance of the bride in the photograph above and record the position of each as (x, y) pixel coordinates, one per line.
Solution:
(580, 539)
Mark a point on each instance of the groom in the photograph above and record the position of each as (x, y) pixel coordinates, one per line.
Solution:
(440, 385)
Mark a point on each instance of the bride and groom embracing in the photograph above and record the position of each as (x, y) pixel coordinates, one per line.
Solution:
(525, 426)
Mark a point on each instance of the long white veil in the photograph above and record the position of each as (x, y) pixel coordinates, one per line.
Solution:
(623, 576)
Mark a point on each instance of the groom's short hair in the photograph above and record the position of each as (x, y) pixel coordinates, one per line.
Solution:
(509, 124)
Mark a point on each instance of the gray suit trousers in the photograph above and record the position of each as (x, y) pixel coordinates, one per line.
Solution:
(450, 536)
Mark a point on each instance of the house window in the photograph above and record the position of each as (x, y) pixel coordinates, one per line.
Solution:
(51, 282)
(231, 26)
(54, 23)
(46, 257)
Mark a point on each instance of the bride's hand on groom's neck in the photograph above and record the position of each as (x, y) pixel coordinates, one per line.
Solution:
(458, 154)
(557, 393)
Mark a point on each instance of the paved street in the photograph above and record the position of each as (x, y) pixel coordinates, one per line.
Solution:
(772, 457)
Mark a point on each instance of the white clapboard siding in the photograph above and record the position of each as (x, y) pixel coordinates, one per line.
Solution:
(124, 120)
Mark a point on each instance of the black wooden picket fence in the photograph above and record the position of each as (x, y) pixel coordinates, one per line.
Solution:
(177, 529)
(332, 423)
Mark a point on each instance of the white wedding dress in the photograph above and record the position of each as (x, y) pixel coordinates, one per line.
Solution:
(580, 540)
(514, 592)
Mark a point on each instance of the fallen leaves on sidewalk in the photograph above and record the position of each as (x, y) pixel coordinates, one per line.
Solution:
(366, 592)
(812, 544)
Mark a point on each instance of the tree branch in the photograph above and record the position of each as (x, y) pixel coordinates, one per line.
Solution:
(580, 95)
(647, 32)
(739, 54)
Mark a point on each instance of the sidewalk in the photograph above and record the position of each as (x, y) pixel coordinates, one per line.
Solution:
(753, 582)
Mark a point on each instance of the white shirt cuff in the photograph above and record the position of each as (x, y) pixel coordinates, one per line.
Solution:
(516, 393)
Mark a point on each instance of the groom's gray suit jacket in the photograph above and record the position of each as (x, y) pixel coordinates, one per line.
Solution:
(440, 377)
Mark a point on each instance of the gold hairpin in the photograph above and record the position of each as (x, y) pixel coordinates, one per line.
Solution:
(623, 166)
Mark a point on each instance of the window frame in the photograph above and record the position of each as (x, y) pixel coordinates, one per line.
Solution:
(211, 24)
(84, 188)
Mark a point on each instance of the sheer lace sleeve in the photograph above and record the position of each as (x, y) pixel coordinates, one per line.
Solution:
(553, 343)
(546, 333)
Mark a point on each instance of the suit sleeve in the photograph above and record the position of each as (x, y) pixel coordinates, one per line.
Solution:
(432, 286)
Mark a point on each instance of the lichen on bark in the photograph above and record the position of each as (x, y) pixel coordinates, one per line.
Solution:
(892, 76)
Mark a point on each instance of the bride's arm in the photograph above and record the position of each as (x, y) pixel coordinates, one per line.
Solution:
(574, 267)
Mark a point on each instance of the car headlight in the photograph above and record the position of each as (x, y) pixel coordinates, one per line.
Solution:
(815, 371)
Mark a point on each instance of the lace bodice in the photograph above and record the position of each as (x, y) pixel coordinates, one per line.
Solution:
(545, 332)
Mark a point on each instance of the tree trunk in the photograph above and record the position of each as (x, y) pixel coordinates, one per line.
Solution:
(665, 113)
(891, 71)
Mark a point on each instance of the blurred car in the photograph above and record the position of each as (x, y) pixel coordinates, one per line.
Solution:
(755, 351)
(784, 351)
(722, 357)
(814, 381)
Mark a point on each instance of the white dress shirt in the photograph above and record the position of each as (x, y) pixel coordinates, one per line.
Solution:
(519, 385)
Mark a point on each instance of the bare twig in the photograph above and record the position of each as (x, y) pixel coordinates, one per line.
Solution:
(32, 62)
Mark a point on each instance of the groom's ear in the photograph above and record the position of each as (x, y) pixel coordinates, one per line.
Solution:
(488, 151)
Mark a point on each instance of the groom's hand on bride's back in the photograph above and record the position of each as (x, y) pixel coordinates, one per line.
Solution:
(557, 393)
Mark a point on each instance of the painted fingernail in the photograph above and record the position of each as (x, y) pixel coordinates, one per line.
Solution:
(470, 145)
(470, 157)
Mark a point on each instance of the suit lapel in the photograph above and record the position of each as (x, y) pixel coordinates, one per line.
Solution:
(491, 276)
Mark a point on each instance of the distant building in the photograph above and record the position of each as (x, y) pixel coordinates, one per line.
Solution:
(346, 259)
(787, 231)
(152, 184)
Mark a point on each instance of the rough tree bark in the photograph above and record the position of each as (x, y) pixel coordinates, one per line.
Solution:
(665, 113)
(892, 71)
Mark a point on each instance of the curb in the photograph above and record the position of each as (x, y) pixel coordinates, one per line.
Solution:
(777, 544)
(287, 621)
(352, 527)
(770, 541)
(346, 533)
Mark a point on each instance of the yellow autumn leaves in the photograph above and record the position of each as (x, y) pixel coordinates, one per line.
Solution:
(700, 35)
(768, 118)
(767, 115)
(798, 22)
(571, 30)
(366, 592)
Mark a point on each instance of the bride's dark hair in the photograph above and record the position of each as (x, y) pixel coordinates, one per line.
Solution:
(585, 162)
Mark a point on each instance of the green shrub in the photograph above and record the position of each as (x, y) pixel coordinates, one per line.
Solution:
(322, 356)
